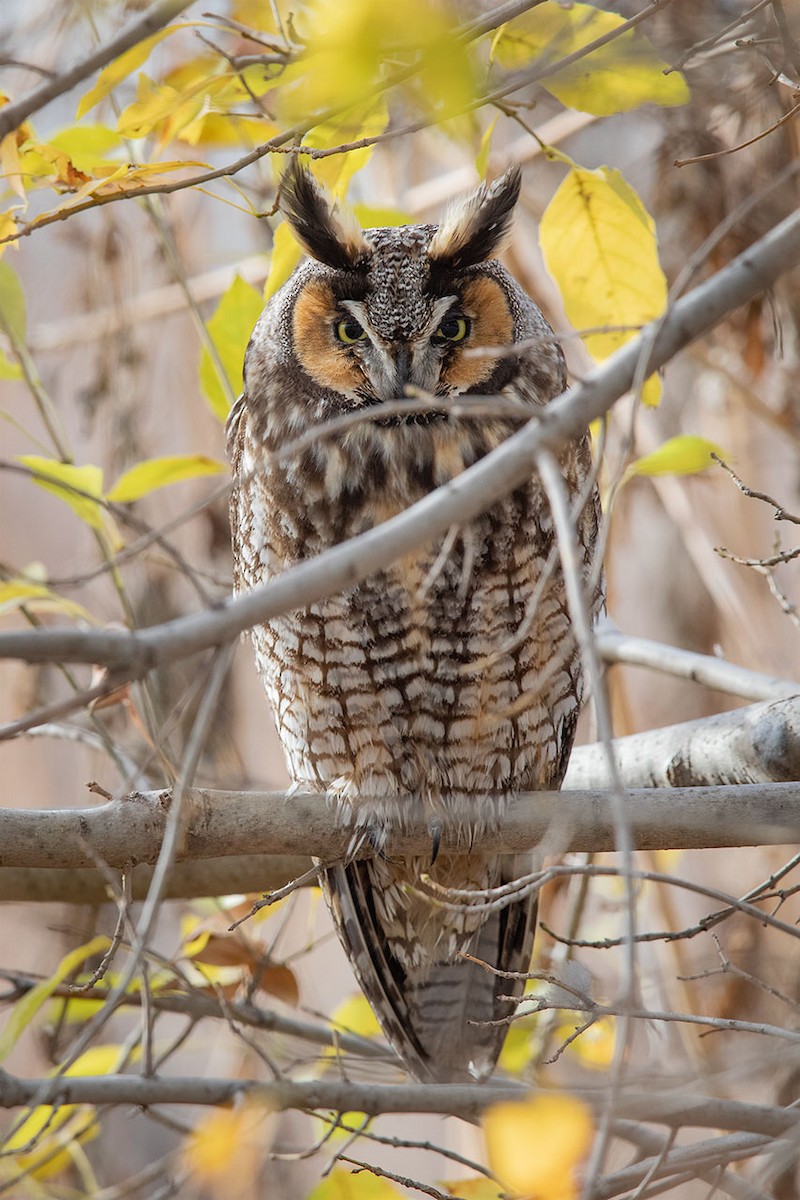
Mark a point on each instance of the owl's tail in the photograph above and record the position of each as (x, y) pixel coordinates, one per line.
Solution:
(430, 1003)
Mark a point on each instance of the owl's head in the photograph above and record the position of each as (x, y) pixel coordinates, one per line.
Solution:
(377, 310)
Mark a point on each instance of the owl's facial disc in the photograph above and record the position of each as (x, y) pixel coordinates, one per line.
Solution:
(339, 346)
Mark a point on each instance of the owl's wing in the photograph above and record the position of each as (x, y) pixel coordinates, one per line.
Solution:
(428, 1013)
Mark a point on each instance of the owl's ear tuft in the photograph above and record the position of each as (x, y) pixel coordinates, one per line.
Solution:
(326, 230)
(475, 228)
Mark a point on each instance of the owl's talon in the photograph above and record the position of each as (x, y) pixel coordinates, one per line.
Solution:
(435, 830)
(376, 838)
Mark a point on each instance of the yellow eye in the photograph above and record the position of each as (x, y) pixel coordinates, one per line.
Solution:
(349, 331)
(452, 329)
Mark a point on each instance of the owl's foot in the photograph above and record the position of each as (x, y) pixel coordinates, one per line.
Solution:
(370, 836)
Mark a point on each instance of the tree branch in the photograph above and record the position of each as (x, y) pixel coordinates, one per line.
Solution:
(129, 831)
(757, 744)
(204, 877)
(617, 647)
(463, 1100)
(48, 855)
(461, 500)
(154, 18)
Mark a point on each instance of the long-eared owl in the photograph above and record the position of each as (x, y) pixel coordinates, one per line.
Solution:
(452, 675)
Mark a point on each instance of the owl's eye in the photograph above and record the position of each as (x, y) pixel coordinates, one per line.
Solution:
(348, 331)
(452, 329)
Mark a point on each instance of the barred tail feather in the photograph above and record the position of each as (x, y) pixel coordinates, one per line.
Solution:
(429, 1011)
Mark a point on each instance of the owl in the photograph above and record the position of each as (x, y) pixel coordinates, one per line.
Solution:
(451, 676)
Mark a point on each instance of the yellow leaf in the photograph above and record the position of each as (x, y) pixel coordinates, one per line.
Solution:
(17, 593)
(26, 1009)
(152, 105)
(229, 329)
(255, 14)
(651, 391)
(222, 129)
(372, 217)
(122, 67)
(156, 473)
(356, 1016)
(45, 1139)
(595, 1046)
(60, 478)
(9, 369)
(599, 244)
(340, 1184)
(518, 1048)
(50, 1136)
(286, 254)
(102, 1060)
(226, 1148)
(484, 150)
(617, 77)
(477, 1188)
(535, 1146)
(10, 168)
(135, 175)
(12, 302)
(87, 145)
(351, 43)
(8, 229)
(685, 454)
(360, 122)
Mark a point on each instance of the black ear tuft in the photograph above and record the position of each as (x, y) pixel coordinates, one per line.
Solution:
(475, 228)
(325, 230)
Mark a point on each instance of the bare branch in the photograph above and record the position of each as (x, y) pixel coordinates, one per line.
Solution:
(671, 1108)
(617, 647)
(129, 831)
(760, 743)
(470, 493)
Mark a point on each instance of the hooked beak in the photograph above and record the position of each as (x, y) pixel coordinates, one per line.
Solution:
(402, 370)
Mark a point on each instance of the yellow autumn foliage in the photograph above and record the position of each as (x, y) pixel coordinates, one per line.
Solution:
(536, 1146)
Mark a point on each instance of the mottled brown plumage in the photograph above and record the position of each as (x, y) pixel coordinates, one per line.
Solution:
(438, 677)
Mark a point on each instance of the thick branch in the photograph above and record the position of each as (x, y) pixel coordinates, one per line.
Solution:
(758, 744)
(132, 654)
(204, 877)
(129, 831)
(465, 1100)
(45, 854)
(154, 18)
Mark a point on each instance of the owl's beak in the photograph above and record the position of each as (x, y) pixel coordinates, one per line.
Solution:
(402, 370)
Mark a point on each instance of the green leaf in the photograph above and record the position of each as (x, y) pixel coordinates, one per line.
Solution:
(12, 302)
(26, 1009)
(617, 77)
(87, 482)
(156, 473)
(599, 244)
(121, 68)
(229, 330)
(686, 454)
